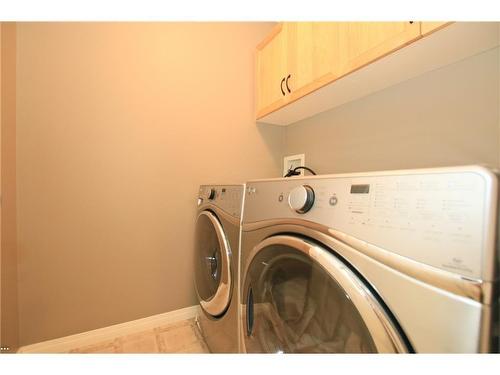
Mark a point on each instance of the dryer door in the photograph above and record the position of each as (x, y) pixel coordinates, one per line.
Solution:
(300, 298)
(212, 265)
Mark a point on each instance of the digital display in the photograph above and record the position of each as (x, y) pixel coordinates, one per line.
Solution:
(360, 189)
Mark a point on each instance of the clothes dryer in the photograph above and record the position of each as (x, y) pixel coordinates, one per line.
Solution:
(390, 262)
(217, 248)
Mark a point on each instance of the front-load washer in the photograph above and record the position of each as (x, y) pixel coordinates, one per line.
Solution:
(217, 247)
(391, 262)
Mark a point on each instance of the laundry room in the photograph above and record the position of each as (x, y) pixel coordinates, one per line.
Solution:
(264, 185)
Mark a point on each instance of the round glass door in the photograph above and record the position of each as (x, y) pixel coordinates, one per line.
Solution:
(300, 298)
(212, 265)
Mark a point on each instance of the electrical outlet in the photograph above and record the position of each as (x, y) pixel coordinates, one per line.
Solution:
(292, 161)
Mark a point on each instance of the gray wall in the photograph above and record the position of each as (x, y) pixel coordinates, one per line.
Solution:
(449, 116)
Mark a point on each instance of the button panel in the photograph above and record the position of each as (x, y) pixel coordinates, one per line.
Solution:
(438, 218)
(227, 197)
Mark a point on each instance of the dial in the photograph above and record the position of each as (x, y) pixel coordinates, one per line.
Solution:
(301, 199)
(211, 194)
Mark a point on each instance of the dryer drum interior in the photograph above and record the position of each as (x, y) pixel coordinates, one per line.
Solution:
(212, 265)
(300, 298)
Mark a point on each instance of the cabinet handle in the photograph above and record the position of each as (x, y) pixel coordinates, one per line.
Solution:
(288, 88)
(281, 86)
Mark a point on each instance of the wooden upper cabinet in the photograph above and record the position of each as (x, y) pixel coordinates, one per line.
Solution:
(366, 42)
(271, 68)
(298, 58)
(313, 50)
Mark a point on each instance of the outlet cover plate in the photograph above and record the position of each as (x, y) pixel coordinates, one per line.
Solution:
(292, 161)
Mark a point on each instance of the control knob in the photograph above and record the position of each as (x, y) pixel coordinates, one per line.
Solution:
(211, 194)
(301, 199)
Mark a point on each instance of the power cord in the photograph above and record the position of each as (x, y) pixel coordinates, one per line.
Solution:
(295, 172)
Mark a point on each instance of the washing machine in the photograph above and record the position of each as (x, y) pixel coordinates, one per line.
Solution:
(379, 262)
(217, 248)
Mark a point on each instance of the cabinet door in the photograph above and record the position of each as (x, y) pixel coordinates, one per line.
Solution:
(369, 41)
(314, 49)
(271, 70)
(429, 27)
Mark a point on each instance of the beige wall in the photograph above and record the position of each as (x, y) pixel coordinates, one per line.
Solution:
(445, 117)
(9, 291)
(117, 126)
(0, 184)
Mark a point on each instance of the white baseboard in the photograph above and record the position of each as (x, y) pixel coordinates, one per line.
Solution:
(65, 344)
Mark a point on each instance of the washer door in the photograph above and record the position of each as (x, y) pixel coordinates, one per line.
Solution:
(212, 265)
(300, 298)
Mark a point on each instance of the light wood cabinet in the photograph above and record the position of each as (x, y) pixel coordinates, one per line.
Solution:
(271, 67)
(455, 42)
(298, 58)
(313, 49)
(293, 61)
(366, 42)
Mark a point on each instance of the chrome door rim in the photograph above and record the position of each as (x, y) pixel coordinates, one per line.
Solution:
(384, 333)
(216, 305)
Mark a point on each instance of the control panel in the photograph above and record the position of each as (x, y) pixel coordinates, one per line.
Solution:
(441, 218)
(227, 197)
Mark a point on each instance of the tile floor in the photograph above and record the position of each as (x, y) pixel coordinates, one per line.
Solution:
(180, 337)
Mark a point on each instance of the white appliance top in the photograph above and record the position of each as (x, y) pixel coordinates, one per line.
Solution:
(443, 217)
